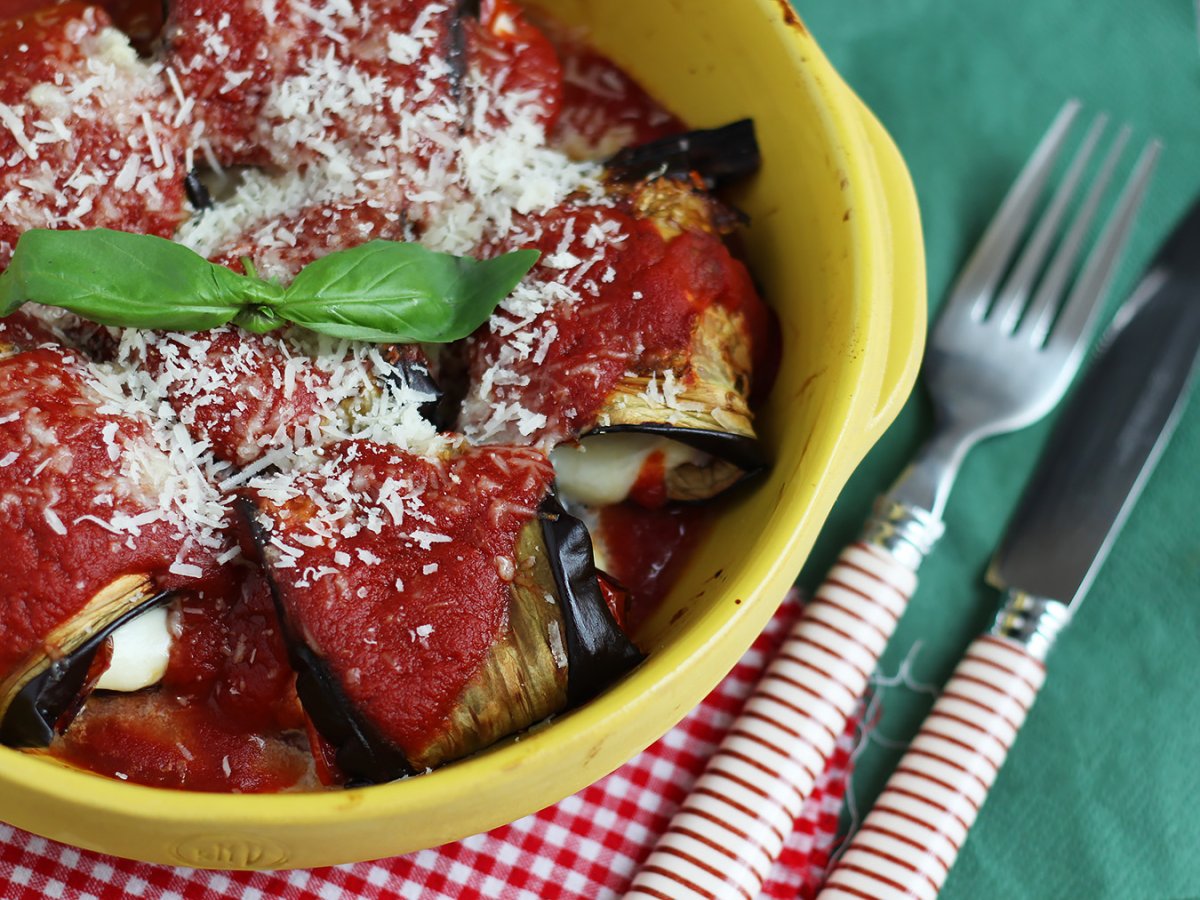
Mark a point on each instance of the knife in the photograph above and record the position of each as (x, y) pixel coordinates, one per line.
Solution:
(1104, 446)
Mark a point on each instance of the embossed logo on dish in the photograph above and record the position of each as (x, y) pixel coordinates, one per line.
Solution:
(231, 852)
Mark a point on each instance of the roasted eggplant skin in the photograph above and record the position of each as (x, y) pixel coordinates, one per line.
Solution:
(598, 651)
(415, 373)
(362, 753)
(457, 55)
(718, 156)
(35, 714)
(197, 192)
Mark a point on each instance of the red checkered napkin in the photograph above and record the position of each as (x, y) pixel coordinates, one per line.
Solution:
(588, 846)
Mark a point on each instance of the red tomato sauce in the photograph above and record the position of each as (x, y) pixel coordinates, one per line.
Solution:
(648, 549)
(515, 56)
(142, 20)
(139, 738)
(231, 57)
(231, 657)
(318, 230)
(225, 716)
(230, 388)
(23, 331)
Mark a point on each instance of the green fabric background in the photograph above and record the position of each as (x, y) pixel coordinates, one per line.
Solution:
(1100, 797)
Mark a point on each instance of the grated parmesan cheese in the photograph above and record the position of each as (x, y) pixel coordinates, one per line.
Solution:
(52, 519)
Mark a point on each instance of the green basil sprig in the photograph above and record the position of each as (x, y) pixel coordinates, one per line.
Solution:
(382, 291)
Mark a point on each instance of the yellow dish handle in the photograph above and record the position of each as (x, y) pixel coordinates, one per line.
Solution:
(908, 287)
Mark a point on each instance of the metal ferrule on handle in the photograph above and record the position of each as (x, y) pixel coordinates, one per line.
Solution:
(730, 830)
(909, 842)
(905, 531)
(1031, 621)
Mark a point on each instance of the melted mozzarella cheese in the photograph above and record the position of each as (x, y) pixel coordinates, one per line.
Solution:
(141, 651)
(603, 469)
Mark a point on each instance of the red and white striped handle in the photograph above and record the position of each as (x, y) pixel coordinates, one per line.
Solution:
(730, 830)
(911, 838)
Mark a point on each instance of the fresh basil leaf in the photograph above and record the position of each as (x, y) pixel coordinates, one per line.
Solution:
(393, 292)
(382, 291)
(127, 280)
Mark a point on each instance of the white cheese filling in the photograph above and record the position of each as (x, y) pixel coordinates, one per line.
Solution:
(602, 469)
(141, 650)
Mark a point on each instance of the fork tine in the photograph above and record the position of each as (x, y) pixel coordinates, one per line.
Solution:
(991, 257)
(1074, 325)
(1050, 292)
(1011, 301)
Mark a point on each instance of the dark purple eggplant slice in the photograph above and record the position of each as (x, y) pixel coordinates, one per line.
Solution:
(717, 155)
(598, 651)
(456, 58)
(197, 191)
(440, 411)
(46, 695)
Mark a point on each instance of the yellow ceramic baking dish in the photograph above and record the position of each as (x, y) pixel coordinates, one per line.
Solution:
(835, 242)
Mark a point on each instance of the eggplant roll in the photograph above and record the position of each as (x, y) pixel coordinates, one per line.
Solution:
(96, 522)
(223, 716)
(433, 604)
(646, 351)
(41, 692)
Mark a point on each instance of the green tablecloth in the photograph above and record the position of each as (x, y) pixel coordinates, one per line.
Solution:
(1101, 794)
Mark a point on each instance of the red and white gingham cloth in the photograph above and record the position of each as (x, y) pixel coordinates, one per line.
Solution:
(588, 846)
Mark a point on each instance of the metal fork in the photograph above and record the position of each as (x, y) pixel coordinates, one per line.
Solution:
(1001, 357)
(1010, 339)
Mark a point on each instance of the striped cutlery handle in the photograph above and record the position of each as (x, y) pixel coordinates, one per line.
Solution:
(910, 840)
(730, 830)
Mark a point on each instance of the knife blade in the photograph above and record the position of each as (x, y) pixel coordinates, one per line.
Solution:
(1111, 432)
(1102, 450)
